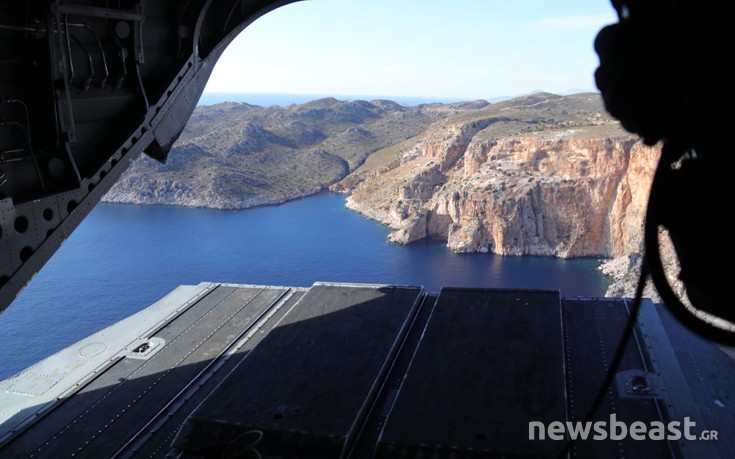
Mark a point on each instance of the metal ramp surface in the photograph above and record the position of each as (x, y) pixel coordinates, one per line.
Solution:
(365, 371)
(505, 367)
(310, 386)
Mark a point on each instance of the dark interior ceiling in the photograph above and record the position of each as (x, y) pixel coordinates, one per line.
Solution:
(85, 87)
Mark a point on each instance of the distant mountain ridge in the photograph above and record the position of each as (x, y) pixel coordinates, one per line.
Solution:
(236, 155)
(284, 100)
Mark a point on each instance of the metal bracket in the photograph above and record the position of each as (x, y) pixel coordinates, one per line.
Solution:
(136, 16)
(637, 383)
(144, 348)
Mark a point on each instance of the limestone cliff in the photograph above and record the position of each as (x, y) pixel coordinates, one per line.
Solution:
(545, 176)
(624, 271)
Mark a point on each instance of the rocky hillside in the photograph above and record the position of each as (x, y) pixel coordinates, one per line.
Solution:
(536, 175)
(539, 175)
(235, 155)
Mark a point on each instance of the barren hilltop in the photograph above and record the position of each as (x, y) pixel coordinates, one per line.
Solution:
(535, 175)
(236, 155)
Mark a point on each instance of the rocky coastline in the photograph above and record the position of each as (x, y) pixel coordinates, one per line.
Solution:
(538, 175)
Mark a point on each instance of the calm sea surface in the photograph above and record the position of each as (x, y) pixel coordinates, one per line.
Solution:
(125, 257)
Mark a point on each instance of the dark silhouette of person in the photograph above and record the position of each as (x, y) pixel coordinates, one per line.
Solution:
(663, 74)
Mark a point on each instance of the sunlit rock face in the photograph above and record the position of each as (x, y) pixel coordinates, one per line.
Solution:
(572, 192)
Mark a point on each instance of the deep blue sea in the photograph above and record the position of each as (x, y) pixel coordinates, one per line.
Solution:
(123, 258)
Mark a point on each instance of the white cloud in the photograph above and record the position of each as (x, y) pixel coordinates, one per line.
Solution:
(583, 22)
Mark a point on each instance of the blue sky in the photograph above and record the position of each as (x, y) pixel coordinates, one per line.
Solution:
(467, 49)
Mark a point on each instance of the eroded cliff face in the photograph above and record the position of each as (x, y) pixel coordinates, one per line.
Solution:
(575, 190)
